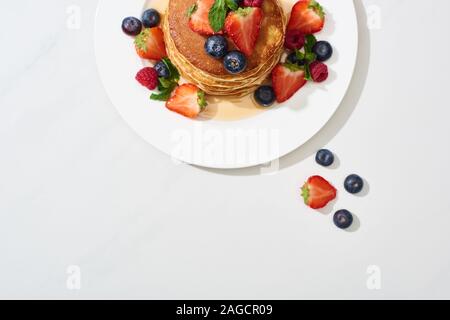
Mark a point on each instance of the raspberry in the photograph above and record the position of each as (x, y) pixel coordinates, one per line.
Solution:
(148, 77)
(253, 3)
(295, 39)
(319, 71)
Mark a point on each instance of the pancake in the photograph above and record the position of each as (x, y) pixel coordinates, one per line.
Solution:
(186, 50)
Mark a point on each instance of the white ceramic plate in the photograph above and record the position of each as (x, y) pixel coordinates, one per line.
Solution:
(254, 140)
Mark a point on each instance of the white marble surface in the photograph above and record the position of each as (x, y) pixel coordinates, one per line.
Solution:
(78, 187)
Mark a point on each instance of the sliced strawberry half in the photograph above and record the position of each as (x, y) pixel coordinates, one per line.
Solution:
(199, 18)
(287, 79)
(243, 26)
(150, 44)
(307, 16)
(318, 192)
(187, 100)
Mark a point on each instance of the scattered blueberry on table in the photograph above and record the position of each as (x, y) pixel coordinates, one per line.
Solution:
(325, 157)
(323, 50)
(354, 184)
(343, 219)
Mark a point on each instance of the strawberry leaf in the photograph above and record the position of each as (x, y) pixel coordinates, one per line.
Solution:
(244, 11)
(314, 5)
(191, 10)
(141, 40)
(305, 193)
(201, 100)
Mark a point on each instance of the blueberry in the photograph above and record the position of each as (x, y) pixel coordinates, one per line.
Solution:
(323, 50)
(354, 184)
(151, 18)
(265, 96)
(216, 46)
(235, 62)
(132, 26)
(162, 70)
(324, 157)
(343, 219)
(292, 58)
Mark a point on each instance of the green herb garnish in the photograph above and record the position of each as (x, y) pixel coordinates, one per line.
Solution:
(167, 85)
(308, 56)
(218, 13)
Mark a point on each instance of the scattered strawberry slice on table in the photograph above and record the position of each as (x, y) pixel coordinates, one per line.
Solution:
(243, 27)
(150, 44)
(307, 16)
(318, 192)
(187, 100)
(199, 17)
(287, 79)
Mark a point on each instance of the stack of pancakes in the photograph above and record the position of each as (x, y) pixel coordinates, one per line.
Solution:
(185, 49)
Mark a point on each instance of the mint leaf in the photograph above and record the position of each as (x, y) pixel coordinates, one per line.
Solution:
(232, 5)
(167, 85)
(164, 83)
(164, 94)
(174, 74)
(300, 55)
(191, 10)
(217, 15)
(310, 57)
(310, 42)
(293, 67)
(308, 76)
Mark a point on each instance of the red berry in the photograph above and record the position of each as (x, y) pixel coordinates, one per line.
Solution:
(295, 39)
(253, 3)
(318, 192)
(319, 71)
(307, 16)
(148, 77)
(243, 27)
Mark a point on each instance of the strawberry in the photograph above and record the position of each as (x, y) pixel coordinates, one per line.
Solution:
(307, 16)
(318, 192)
(187, 100)
(150, 44)
(287, 79)
(199, 17)
(243, 26)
